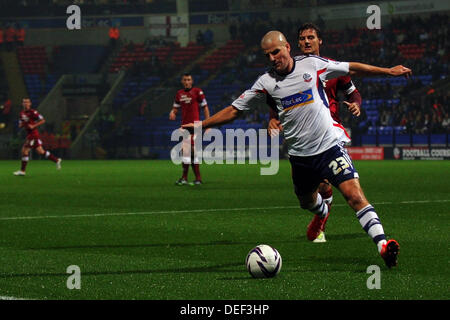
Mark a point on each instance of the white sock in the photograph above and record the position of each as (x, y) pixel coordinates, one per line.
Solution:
(370, 222)
(320, 208)
(380, 244)
(328, 200)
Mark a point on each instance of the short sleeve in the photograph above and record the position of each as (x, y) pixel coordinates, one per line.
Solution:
(251, 98)
(330, 69)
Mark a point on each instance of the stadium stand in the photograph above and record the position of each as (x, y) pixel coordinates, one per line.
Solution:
(78, 59)
(393, 110)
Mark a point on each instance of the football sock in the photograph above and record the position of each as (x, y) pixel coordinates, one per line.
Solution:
(370, 222)
(51, 157)
(185, 170)
(320, 208)
(196, 168)
(327, 196)
(24, 163)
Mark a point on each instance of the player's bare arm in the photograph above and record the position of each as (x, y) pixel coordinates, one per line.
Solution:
(206, 112)
(362, 69)
(353, 102)
(224, 116)
(354, 108)
(173, 114)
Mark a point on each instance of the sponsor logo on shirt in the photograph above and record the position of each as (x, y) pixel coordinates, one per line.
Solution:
(307, 77)
(185, 98)
(297, 100)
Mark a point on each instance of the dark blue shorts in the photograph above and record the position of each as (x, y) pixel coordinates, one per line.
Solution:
(335, 165)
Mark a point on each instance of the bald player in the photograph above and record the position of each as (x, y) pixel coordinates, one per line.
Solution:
(291, 89)
(309, 42)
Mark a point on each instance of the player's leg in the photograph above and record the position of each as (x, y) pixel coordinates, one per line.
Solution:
(48, 155)
(369, 220)
(186, 160)
(326, 191)
(306, 182)
(24, 161)
(195, 163)
(342, 174)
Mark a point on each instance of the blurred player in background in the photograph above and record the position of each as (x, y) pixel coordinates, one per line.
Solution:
(30, 119)
(309, 42)
(315, 151)
(190, 99)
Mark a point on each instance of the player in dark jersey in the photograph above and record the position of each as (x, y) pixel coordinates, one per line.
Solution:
(309, 42)
(189, 99)
(30, 119)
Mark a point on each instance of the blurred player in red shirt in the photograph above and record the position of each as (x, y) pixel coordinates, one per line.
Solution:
(30, 119)
(190, 99)
(309, 42)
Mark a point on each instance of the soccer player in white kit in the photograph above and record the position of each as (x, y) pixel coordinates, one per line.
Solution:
(291, 88)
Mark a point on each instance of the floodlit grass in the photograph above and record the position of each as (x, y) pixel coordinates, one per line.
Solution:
(135, 235)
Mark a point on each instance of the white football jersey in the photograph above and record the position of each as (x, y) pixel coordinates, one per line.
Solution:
(298, 97)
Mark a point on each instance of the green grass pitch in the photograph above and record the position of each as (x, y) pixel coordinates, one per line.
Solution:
(135, 235)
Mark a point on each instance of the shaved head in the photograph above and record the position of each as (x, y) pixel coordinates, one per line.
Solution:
(273, 38)
(277, 50)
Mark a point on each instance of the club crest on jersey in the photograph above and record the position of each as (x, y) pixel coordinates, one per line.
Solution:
(297, 100)
(307, 77)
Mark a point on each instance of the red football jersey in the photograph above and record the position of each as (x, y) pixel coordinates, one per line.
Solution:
(28, 117)
(190, 102)
(331, 87)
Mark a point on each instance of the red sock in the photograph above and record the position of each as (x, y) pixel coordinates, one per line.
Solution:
(196, 168)
(185, 170)
(327, 194)
(24, 164)
(49, 156)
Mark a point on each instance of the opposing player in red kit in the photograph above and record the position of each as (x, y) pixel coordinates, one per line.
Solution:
(30, 119)
(309, 42)
(190, 99)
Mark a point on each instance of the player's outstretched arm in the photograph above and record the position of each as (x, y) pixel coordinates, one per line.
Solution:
(225, 115)
(362, 69)
(37, 124)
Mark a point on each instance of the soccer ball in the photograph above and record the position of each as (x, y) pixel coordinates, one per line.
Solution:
(263, 261)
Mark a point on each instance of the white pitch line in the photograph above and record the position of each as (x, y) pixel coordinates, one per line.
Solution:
(194, 211)
(10, 298)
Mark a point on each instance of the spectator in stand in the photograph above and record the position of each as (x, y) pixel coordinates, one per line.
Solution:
(446, 122)
(5, 109)
(208, 37)
(114, 35)
(20, 35)
(2, 38)
(233, 31)
(200, 38)
(10, 37)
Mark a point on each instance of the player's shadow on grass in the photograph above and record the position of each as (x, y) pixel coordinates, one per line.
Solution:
(214, 268)
(346, 236)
